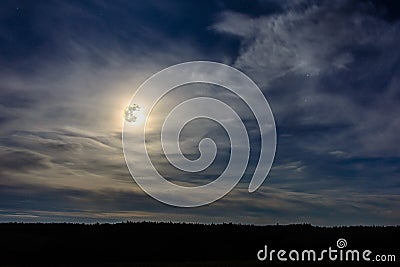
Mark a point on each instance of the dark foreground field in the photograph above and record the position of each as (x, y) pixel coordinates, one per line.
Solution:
(167, 244)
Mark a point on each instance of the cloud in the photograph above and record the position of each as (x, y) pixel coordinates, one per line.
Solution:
(310, 41)
(327, 69)
(318, 63)
(275, 205)
(21, 160)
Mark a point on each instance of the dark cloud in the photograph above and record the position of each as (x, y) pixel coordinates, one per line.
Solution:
(21, 161)
(277, 205)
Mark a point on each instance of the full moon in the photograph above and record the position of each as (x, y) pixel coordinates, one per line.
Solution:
(131, 113)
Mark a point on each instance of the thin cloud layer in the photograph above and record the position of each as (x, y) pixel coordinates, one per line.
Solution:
(328, 65)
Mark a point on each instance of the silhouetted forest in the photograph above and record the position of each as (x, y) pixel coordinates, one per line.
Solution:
(171, 244)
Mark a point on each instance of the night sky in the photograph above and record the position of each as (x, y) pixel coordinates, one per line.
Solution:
(329, 69)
